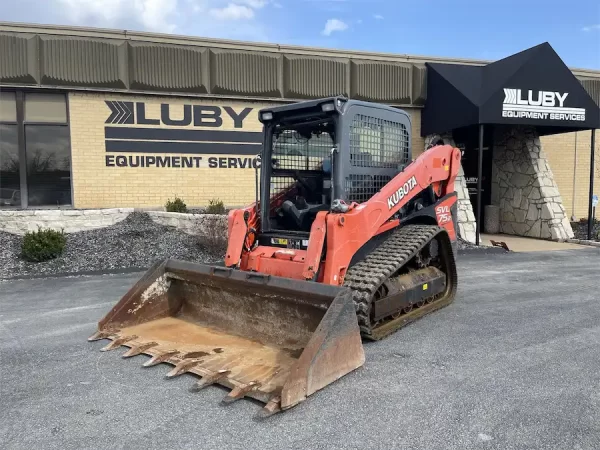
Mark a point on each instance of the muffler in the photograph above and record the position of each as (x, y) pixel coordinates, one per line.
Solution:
(273, 339)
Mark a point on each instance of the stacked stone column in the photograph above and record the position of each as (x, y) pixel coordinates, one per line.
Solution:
(467, 225)
(523, 187)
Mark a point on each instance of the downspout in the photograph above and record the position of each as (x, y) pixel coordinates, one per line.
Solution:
(573, 218)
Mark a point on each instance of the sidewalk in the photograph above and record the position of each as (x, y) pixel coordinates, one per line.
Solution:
(523, 244)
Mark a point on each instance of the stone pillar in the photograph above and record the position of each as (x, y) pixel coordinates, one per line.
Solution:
(524, 188)
(466, 219)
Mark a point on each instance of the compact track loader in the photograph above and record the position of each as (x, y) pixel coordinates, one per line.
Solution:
(348, 239)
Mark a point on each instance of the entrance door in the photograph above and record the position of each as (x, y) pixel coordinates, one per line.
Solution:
(468, 142)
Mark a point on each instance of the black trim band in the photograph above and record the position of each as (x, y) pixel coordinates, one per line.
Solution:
(198, 148)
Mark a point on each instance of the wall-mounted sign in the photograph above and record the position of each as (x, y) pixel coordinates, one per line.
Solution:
(136, 138)
(542, 105)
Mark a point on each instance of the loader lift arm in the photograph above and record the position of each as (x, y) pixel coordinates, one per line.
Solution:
(348, 232)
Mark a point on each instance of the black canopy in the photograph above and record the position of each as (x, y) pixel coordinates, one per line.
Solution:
(532, 87)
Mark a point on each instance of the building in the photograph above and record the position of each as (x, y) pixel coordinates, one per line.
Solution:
(93, 118)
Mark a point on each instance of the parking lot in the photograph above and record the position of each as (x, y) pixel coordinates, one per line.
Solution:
(513, 363)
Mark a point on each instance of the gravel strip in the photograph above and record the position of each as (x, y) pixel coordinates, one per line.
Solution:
(136, 242)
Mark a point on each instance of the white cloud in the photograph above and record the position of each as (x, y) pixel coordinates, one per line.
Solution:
(202, 18)
(378, 16)
(196, 6)
(591, 27)
(153, 15)
(233, 12)
(334, 25)
(257, 4)
(209, 17)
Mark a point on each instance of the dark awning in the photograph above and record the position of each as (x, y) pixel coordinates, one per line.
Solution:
(532, 87)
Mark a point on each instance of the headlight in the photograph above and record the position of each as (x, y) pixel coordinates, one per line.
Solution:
(328, 107)
(267, 116)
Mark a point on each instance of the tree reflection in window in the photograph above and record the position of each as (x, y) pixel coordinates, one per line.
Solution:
(10, 191)
(48, 165)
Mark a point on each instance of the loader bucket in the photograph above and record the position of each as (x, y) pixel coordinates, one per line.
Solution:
(272, 339)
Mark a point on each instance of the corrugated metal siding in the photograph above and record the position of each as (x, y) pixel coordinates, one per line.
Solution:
(379, 81)
(128, 61)
(18, 58)
(245, 73)
(593, 89)
(168, 68)
(309, 77)
(419, 85)
(69, 61)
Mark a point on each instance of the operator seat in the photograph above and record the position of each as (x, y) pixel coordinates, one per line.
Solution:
(302, 212)
(303, 217)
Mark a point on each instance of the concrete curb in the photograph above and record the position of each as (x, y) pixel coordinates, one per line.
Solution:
(84, 273)
(482, 251)
(37, 276)
(584, 242)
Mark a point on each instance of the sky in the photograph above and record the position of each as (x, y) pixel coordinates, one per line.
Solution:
(478, 29)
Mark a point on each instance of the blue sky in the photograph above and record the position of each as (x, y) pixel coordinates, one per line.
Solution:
(484, 29)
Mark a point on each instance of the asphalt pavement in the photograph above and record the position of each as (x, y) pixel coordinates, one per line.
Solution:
(513, 363)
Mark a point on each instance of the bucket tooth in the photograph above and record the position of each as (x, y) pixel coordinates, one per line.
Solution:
(99, 335)
(117, 343)
(210, 379)
(241, 391)
(183, 366)
(157, 359)
(272, 407)
(138, 349)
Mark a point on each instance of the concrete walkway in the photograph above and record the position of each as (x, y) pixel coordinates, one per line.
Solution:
(523, 244)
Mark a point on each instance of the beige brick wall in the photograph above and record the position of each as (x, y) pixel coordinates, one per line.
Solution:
(97, 186)
(418, 143)
(563, 160)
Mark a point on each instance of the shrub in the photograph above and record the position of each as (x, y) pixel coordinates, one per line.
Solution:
(43, 245)
(215, 206)
(176, 205)
(213, 236)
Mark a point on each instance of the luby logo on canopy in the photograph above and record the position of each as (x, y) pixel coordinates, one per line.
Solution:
(542, 105)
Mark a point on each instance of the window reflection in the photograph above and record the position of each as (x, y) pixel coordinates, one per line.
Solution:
(45, 108)
(48, 165)
(10, 194)
(8, 107)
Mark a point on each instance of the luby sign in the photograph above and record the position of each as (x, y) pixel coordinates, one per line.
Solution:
(177, 136)
(541, 105)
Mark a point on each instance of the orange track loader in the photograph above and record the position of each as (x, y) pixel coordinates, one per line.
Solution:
(348, 239)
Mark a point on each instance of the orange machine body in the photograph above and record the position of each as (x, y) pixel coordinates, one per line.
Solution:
(344, 234)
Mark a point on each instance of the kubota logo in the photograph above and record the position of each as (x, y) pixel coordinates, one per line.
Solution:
(397, 196)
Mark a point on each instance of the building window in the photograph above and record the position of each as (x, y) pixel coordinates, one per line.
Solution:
(45, 108)
(43, 153)
(48, 165)
(10, 185)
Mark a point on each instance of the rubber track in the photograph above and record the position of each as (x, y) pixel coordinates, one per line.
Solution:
(368, 275)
